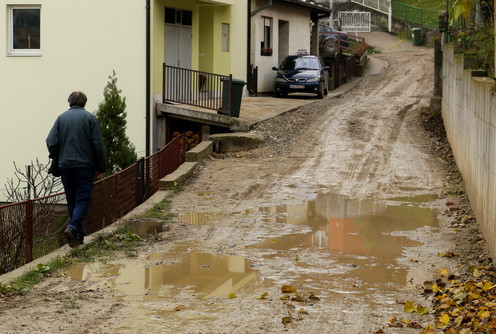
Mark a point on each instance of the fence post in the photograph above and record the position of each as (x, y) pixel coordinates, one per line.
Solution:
(229, 94)
(28, 231)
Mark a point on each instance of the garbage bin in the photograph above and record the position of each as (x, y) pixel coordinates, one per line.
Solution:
(416, 36)
(236, 93)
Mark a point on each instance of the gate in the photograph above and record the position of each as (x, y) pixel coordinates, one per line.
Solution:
(355, 21)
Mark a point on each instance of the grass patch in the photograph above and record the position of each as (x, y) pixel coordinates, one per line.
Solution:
(105, 247)
(438, 5)
(161, 210)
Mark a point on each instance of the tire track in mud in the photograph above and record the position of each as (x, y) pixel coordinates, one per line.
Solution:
(380, 154)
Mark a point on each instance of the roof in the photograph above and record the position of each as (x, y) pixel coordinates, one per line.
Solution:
(316, 7)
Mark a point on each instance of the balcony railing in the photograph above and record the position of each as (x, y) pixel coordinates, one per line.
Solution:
(197, 88)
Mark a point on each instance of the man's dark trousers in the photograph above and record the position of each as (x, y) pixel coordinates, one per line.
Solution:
(78, 184)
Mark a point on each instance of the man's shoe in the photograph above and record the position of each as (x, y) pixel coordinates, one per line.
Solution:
(70, 236)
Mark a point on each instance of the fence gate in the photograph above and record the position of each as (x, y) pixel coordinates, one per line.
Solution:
(383, 6)
(355, 21)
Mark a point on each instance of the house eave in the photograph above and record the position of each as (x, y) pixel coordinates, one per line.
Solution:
(316, 9)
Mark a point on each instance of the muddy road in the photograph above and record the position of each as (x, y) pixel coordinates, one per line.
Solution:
(344, 204)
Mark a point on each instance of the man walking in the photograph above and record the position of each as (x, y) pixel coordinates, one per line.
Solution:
(75, 139)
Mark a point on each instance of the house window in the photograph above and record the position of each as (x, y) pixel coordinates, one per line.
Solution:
(266, 44)
(178, 16)
(225, 37)
(25, 31)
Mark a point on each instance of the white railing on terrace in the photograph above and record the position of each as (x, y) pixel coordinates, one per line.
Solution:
(355, 21)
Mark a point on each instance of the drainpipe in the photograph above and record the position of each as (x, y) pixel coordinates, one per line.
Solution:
(258, 10)
(248, 43)
(148, 79)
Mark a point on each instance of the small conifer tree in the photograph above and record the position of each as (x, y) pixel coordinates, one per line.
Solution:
(111, 115)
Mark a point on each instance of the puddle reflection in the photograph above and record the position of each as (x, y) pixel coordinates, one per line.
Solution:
(355, 232)
(206, 274)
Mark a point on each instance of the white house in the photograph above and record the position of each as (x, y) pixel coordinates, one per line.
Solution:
(280, 28)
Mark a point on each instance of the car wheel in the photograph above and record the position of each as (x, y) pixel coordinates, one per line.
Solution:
(331, 47)
(320, 93)
(284, 94)
(326, 90)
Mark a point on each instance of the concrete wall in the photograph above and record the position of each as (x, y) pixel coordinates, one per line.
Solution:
(469, 114)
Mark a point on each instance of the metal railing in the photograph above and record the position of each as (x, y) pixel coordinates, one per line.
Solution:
(424, 17)
(31, 229)
(197, 88)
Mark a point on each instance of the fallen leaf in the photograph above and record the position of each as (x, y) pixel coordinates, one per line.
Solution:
(428, 330)
(298, 298)
(415, 325)
(443, 272)
(179, 308)
(312, 297)
(232, 295)
(264, 296)
(286, 320)
(284, 297)
(409, 307)
(422, 310)
(288, 289)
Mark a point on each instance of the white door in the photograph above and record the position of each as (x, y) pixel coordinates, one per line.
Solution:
(177, 52)
(178, 46)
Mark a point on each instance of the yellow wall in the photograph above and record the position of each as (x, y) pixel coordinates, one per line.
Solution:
(82, 42)
(207, 54)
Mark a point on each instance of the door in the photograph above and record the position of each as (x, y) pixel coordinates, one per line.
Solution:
(177, 46)
(177, 52)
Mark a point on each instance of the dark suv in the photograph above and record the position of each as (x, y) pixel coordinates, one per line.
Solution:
(301, 74)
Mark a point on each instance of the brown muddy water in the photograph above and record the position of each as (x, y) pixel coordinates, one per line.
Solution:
(360, 239)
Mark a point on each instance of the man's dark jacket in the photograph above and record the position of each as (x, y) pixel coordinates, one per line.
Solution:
(77, 141)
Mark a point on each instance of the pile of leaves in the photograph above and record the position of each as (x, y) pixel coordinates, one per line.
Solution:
(463, 305)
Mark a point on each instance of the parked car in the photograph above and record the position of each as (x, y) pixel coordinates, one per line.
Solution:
(301, 73)
(330, 39)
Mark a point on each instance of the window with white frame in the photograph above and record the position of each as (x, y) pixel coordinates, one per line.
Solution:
(25, 30)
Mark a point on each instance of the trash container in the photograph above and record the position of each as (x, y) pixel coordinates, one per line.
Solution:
(416, 36)
(236, 93)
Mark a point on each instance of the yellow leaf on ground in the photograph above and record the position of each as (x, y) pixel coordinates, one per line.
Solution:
(180, 307)
(488, 286)
(409, 307)
(264, 296)
(288, 289)
(286, 320)
(444, 318)
(443, 272)
(232, 295)
(422, 310)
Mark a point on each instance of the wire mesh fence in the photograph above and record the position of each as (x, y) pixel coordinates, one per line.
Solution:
(424, 17)
(33, 228)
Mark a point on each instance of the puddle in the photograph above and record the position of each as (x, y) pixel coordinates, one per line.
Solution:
(205, 275)
(355, 234)
(344, 247)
